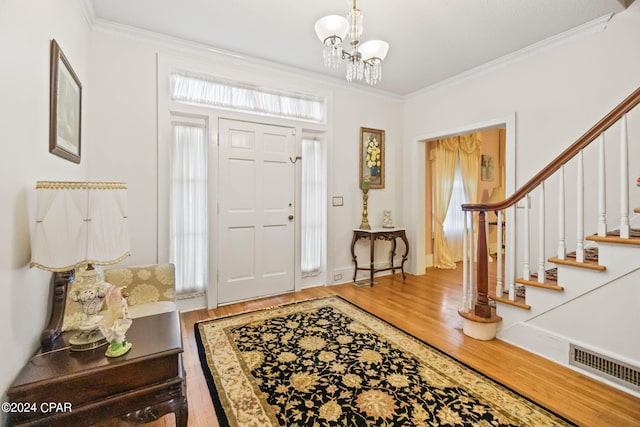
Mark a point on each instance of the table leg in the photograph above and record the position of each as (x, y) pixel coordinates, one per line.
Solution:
(372, 240)
(403, 236)
(393, 255)
(182, 415)
(353, 255)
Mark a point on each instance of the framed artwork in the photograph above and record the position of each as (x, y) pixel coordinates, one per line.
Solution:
(486, 168)
(372, 157)
(65, 107)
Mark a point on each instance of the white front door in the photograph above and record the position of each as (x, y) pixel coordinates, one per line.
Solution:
(256, 207)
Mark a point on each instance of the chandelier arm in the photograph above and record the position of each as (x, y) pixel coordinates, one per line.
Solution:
(363, 60)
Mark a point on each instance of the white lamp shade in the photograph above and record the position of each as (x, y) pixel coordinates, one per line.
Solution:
(332, 25)
(79, 223)
(374, 49)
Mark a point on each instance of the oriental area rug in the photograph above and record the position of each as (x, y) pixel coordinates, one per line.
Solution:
(326, 362)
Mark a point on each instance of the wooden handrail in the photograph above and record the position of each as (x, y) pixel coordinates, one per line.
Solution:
(616, 114)
(482, 308)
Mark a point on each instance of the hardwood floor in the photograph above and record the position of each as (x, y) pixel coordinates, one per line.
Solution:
(426, 306)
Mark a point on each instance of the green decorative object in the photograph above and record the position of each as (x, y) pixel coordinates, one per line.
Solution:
(117, 349)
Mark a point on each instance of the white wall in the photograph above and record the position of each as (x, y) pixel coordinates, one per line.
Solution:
(26, 30)
(557, 95)
(123, 133)
(125, 140)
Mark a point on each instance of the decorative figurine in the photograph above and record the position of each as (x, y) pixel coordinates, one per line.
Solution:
(387, 222)
(116, 323)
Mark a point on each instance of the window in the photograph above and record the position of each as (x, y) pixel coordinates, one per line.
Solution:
(188, 207)
(454, 221)
(313, 207)
(215, 92)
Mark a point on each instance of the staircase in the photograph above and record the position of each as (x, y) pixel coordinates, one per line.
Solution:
(578, 306)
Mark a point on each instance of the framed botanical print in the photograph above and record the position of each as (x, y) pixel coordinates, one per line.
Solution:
(372, 162)
(65, 107)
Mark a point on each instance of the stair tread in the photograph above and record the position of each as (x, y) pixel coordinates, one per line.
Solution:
(519, 302)
(552, 285)
(591, 265)
(613, 236)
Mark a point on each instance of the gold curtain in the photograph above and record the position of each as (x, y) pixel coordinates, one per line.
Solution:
(470, 164)
(443, 162)
(444, 167)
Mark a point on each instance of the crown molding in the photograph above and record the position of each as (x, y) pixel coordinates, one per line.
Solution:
(201, 49)
(204, 50)
(593, 26)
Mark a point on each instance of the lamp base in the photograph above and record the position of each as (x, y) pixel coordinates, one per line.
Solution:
(86, 340)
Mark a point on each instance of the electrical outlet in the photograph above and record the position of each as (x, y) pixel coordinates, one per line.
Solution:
(337, 277)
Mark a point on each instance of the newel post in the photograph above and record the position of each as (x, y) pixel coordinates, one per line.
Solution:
(482, 308)
(482, 322)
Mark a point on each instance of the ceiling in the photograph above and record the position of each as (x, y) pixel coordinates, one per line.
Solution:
(430, 40)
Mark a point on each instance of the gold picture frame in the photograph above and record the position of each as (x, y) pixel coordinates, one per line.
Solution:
(65, 110)
(372, 163)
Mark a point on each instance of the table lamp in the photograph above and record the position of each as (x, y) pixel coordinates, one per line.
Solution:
(79, 225)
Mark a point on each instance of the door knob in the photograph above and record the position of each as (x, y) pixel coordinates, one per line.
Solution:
(290, 217)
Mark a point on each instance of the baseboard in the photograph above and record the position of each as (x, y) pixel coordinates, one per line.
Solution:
(196, 302)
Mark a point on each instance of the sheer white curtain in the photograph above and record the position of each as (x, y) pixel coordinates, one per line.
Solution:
(188, 208)
(217, 92)
(313, 206)
(454, 221)
(470, 153)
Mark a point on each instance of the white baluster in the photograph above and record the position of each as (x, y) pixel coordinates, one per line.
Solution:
(465, 264)
(486, 233)
(526, 272)
(511, 253)
(624, 180)
(580, 210)
(562, 249)
(602, 190)
(499, 285)
(471, 297)
(541, 237)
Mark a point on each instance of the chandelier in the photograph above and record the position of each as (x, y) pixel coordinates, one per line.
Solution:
(365, 60)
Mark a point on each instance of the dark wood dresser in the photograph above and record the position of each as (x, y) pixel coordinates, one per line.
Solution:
(61, 387)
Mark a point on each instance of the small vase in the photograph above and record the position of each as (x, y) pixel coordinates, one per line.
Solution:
(374, 170)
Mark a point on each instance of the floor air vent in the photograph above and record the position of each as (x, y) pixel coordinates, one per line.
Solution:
(605, 367)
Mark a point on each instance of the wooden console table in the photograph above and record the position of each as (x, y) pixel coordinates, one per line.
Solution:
(389, 234)
(61, 387)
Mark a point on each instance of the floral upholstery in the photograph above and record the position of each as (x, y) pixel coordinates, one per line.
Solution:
(150, 289)
(144, 283)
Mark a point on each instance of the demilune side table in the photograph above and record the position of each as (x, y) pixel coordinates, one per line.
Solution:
(378, 233)
(61, 387)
